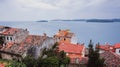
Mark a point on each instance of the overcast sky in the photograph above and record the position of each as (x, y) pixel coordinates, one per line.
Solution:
(27, 10)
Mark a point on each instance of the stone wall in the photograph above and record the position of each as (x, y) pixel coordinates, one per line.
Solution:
(47, 43)
(20, 36)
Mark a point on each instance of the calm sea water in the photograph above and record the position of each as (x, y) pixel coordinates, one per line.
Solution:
(98, 32)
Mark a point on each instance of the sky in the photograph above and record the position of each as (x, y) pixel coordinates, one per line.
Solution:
(30, 10)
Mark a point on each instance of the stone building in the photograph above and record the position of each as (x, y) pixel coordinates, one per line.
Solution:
(76, 52)
(117, 48)
(15, 35)
(68, 43)
(66, 35)
(113, 48)
(18, 43)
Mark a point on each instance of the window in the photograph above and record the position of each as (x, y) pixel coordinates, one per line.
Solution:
(64, 39)
(10, 38)
(7, 38)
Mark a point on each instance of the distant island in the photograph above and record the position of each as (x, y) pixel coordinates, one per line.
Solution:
(42, 21)
(85, 20)
(99, 20)
(103, 20)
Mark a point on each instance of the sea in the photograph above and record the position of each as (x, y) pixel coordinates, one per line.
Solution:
(84, 31)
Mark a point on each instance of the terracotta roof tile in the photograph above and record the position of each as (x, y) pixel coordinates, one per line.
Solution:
(74, 56)
(106, 47)
(10, 31)
(64, 33)
(117, 45)
(2, 65)
(71, 48)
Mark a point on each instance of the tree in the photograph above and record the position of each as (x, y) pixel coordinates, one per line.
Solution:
(63, 59)
(48, 62)
(94, 56)
(58, 57)
(29, 61)
(50, 58)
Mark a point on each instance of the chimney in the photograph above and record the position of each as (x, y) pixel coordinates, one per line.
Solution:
(45, 34)
(26, 29)
(77, 43)
(59, 30)
(83, 44)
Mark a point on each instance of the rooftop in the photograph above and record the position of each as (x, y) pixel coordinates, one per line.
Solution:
(71, 48)
(20, 48)
(10, 31)
(64, 33)
(111, 59)
(117, 45)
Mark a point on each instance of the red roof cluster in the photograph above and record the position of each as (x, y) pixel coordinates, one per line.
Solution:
(108, 47)
(71, 48)
(73, 51)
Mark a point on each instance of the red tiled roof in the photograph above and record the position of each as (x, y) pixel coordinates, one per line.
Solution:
(32, 38)
(2, 65)
(74, 55)
(29, 39)
(64, 33)
(73, 51)
(10, 31)
(106, 47)
(117, 45)
(71, 48)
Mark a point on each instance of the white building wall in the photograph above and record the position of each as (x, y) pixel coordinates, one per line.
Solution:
(9, 39)
(74, 40)
(117, 51)
(83, 52)
(101, 51)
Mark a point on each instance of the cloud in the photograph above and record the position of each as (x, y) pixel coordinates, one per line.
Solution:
(58, 4)
(58, 9)
(35, 4)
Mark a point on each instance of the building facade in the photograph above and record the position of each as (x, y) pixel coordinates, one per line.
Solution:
(65, 35)
(18, 42)
(15, 35)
